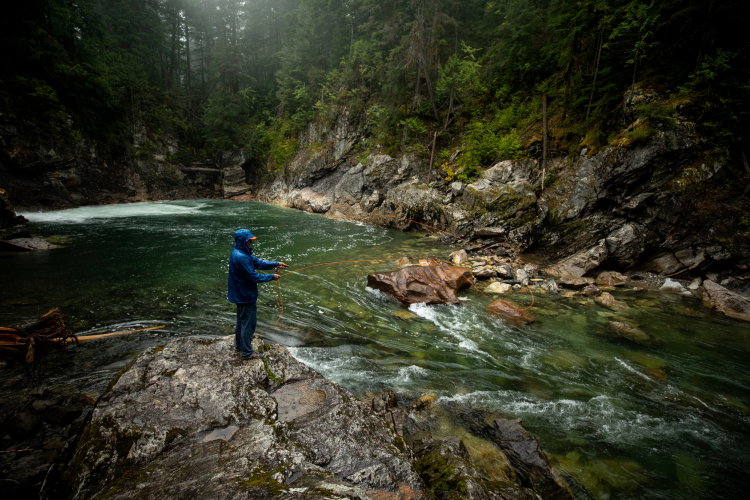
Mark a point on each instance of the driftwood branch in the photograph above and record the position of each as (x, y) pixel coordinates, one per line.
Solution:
(28, 344)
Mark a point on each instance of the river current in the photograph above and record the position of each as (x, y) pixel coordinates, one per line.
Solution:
(622, 421)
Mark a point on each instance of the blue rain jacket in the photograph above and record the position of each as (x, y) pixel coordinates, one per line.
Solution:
(243, 278)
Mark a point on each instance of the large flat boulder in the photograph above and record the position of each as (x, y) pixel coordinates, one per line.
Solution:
(192, 420)
(720, 299)
(436, 284)
(582, 262)
(528, 459)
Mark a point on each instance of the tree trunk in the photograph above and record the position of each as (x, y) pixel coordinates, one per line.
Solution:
(187, 51)
(416, 92)
(432, 156)
(544, 139)
(596, 72)
(635, 68)
(203, 79)
(172, 54)
(424, 62)
(351, 35)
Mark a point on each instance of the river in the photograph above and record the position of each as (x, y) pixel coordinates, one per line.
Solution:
(621, 420)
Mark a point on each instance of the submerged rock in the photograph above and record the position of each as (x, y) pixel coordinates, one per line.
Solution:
(446, 468)
(631, 333)
(192, 420)
(510, 312)
(528, 459)
(720, 299)
(26, 244)
(435, 284)
(605, 299)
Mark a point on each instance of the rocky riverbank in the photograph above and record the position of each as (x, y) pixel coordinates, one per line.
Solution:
(190, 419)
(652, 206)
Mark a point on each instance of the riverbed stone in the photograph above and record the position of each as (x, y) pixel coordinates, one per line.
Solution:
(26, 245)
(611, 278)
(434, 284)
(574, 283)
(459, 257)
(498, 287)
(631, 333)
(264, 422)
(671, 286)
(591, 290)
(605, 299)
(510, 312)
(446, 468)
(730, 303)
(550, 286)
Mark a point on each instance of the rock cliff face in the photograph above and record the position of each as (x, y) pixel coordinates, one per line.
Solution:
(192, 420)
(65, 175)
(653, 205)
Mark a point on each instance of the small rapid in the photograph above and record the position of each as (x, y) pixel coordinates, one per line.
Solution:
(622, 421)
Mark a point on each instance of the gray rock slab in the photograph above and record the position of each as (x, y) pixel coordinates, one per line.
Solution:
(224, 434)
(261, 424)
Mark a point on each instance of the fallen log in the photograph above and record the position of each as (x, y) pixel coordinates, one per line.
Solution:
(104, 335)
(28, 344)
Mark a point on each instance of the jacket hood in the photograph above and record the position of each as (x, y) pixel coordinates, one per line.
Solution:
(241, 237)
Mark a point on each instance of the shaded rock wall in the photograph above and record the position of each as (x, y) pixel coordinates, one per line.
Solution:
(65, 175)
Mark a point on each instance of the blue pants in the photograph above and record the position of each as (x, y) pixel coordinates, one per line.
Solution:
(245, 328)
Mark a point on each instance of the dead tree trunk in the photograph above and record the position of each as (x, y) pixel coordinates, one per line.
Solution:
(544, 138)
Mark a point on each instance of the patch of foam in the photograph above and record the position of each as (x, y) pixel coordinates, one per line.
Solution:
(82, 214)
(410, 373)
(632, 370)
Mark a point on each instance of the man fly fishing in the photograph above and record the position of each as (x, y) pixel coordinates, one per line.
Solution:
(243, 289)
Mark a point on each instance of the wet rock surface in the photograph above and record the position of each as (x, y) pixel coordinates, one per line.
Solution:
(191, 420)
(719, 298)
(26, 245)
(528, 459)
(433, 284)
(618, 329)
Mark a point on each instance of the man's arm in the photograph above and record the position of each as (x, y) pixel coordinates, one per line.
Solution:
(252, 275)
(264, 265)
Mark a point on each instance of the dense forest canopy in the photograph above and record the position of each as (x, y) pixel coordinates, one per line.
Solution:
(251, 74)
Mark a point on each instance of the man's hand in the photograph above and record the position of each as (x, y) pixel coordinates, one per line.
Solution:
(283, 266)
(276, 277)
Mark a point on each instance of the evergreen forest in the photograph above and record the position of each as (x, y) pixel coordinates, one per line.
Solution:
(424, 76)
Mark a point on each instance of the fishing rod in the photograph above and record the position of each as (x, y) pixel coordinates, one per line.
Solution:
(280, 299)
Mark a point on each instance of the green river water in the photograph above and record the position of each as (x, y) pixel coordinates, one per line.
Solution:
(621, 420)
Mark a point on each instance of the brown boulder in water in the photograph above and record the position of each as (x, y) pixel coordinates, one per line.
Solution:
(435, 284)
(510, 312)
(730, 303)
